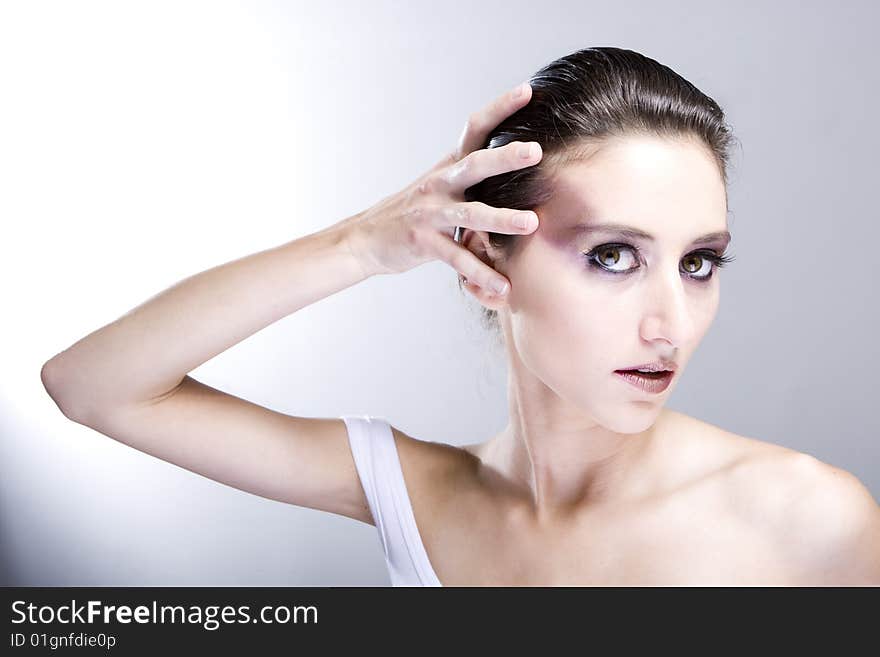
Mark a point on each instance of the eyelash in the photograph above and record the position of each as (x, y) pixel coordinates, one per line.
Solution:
(717, 260)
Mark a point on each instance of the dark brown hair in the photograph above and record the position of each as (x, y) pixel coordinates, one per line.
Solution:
(583, 99)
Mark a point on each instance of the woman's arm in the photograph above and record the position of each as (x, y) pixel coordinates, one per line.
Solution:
(146, 353)
(129, 379)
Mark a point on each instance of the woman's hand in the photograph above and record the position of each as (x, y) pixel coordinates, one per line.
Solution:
(416, 225)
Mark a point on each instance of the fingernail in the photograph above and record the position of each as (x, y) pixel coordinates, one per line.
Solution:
(499, 286)
(520, 90)
(524, 220)
(528, 149)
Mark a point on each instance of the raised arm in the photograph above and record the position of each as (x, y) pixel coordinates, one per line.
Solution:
(143, 356)
(129, 379)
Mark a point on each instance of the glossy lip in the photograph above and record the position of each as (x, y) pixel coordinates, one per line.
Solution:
(656, 366)
(652, 386)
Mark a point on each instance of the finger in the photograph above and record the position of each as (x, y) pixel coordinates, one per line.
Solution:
(481, 216)
(485, 163)
(482, 122)
(445, 161)
(470, 266)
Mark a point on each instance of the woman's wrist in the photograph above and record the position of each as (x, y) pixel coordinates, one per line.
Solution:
(354, 236)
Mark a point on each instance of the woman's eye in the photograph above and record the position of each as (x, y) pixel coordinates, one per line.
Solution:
(694, 264)
(623, 259)
(610, 256)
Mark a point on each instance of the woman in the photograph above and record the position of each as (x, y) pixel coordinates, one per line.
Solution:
(620, 166)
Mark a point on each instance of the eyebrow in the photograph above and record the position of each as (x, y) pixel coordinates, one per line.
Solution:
(636, 234)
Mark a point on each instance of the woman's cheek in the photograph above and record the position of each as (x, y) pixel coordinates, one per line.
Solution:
(573, 318)
(705, 313)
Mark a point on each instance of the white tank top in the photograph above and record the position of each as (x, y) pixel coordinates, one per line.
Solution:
(378, 466)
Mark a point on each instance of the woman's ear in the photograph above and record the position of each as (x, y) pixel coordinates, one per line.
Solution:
(477, 242)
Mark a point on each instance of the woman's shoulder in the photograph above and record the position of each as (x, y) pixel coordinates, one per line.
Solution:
(758, 475)
(435, 466)
(805, 509)
(757, 469)
(707, 448)
(820, 516)
(736, 448)
(769, 471)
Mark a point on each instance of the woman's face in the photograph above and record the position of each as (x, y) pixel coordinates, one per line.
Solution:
(570, 323)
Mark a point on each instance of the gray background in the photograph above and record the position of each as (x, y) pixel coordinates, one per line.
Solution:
(144, 143)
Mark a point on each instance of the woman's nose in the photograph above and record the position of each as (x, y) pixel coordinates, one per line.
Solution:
(667, 316)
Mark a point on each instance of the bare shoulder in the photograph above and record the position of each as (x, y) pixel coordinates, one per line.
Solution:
(835, 522)
(422, 454)
(822, 518)
(430, 468)
(707, 452)
(768, 477)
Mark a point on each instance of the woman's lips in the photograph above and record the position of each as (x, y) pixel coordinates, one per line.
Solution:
(654, 382)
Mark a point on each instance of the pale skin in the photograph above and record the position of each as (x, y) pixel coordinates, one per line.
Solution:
(592, 482)
(578, 434)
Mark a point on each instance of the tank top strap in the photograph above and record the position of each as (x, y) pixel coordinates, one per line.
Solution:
(378, 465)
